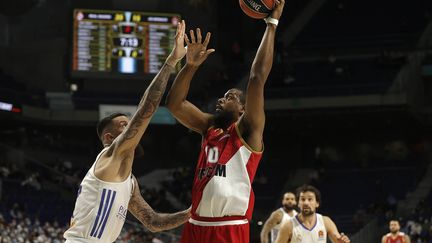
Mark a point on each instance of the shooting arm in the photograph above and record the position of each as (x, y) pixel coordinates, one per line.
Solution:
(252, 122)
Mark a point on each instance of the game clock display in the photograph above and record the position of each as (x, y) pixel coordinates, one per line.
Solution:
(121, 42)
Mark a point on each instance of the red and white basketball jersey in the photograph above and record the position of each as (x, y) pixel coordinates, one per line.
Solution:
(400, 238)
(226, 167)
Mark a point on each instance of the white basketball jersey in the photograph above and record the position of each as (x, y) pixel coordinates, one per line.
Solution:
(301, 234)
(100, 209)
(286, 217)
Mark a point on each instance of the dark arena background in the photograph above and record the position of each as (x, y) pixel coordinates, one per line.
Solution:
(348, 108)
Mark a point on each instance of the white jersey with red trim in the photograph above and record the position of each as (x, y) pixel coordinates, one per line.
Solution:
(226, 167)
(100, 209)
(301, 234)
(285, 217)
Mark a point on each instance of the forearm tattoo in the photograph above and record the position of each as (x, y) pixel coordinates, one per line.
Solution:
(150, 100)
(155, 221)
(163, 221)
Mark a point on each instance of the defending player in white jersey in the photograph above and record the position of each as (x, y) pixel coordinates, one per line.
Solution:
(309, 226)
(286, 212)
(109, 189)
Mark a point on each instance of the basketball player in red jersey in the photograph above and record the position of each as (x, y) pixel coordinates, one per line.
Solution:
(395, 236)
(222, 196)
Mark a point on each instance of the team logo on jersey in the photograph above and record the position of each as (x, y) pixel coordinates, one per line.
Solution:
(121, 214)
(321, 235)
(298, 237)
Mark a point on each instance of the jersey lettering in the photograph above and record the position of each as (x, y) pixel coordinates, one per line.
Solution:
(218, 170)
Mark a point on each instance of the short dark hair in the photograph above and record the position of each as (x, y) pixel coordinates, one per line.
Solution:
(309, 188)
(102, 124)
(283, 195)
(394, 219)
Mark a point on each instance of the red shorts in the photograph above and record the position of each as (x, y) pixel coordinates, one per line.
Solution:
(215, 234)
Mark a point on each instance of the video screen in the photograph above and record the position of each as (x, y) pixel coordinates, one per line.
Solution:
(113, 43)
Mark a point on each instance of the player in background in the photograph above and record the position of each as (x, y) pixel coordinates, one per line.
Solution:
(395, 236)
(232, 145)
(282, 214)
(109, 189)
(309, 226)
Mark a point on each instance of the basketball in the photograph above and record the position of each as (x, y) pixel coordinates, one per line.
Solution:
(257, 9)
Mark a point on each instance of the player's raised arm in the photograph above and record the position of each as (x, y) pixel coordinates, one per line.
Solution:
(285, 232)
(274, 219)
(187, 113)
(130, 137)
(149, 218)
(333, 232)
(252, 122)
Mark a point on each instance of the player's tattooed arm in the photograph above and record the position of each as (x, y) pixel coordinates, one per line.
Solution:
(150, 101)
(152, 220)
(146, 108)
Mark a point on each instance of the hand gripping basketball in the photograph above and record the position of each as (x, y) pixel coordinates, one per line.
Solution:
(277, 12)
(278, 9)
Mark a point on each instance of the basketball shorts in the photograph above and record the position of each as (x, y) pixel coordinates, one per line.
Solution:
(193, 233)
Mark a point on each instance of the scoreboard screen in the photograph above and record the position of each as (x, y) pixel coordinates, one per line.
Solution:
(111, 43)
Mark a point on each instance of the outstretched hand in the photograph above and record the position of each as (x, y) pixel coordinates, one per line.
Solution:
(278, 9)
(179, 50)
(197, 51)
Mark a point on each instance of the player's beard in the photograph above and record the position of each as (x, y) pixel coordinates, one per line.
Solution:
(307, 212)
(223, 119)
(289, 207)
(394, 231)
